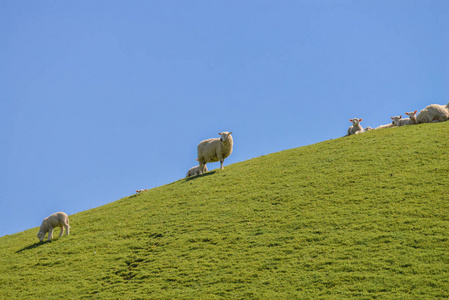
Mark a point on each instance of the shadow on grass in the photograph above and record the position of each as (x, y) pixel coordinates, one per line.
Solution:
(202, 175)
(38, 244)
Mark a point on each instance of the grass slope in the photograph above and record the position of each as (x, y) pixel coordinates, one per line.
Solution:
(364, 216)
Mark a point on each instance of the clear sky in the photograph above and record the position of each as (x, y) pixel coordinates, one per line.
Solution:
(100, 98)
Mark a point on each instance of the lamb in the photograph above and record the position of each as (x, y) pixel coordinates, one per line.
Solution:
(385, 126)
(433, 113)
(57, 219)
(408, 121)
(215, 149)
(195, 171)
(393, 123)
(356, 127)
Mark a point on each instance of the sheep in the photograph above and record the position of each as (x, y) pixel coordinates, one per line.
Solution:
(433, 113)
(356, 127)
(215, 149)
(393, 123)
(385, 126)
(195, 171)
(57, 219)
(408, 121)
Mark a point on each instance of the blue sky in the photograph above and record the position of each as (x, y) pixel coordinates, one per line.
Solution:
(100, 98)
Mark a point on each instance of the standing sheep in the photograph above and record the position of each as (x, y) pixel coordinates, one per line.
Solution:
(216, 149)
(356, 127)
(433, 113)
(57, 219)
(408, 121)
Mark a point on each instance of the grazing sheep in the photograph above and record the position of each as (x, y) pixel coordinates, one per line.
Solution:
(216, 149)
(368, 129)
(408, 121)
(195, 171)
(433, 113)
(57, 219)
(393, 123)
(356, 127)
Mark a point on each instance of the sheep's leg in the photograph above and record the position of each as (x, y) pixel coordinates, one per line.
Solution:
(67, 227)
(221, 163)
(202, 167)
(62, 230)
(50, 234)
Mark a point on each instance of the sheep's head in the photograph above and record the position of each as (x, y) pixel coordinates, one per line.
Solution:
(412, 115)
(395, 120)
(224, 136)
(355, 121)
(40, 236)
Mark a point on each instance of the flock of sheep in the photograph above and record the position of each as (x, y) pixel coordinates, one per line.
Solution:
(430, 114)
(217, 149)
(210, 150)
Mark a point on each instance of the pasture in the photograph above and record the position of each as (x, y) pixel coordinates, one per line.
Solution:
(363, 217)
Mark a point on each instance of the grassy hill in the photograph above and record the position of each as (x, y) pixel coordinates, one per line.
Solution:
(365, 216)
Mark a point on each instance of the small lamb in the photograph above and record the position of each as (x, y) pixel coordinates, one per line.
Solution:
(216, 149)
(393, 123)
(408, 121)
(356, 128)
(195, 171)
(57, 219)
(433, 113)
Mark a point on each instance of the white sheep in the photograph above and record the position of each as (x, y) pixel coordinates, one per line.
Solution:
(393, 123)
(216, 149)
(408, 121)
(57, 219)
(356, 127)
(195, 171)
(433, 113)
(385, 126)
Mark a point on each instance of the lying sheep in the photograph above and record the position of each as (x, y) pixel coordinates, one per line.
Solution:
(195, 171)
(393, 123)
(356, 127)
(385, 126)
(57, 219)
(408, 121)
(433, 113)
(216, 149)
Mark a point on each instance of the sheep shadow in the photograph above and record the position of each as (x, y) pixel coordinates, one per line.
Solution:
(202, 175)
(33, 246)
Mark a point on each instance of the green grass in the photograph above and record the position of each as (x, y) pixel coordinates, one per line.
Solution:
(364, 216)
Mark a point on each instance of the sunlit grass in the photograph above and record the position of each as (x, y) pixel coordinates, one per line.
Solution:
(364, 216)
